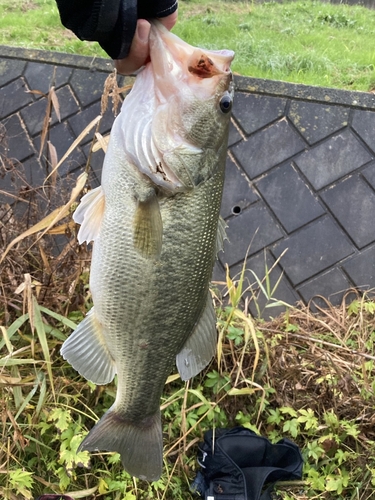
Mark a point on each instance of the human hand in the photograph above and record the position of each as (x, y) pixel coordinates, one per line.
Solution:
(139, 50)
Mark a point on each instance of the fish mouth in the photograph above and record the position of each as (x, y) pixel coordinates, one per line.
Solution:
(176, 63)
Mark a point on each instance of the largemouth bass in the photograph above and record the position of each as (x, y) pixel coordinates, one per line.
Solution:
(156, 230)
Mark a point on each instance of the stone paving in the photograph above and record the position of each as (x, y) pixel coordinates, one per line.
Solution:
(299, 197)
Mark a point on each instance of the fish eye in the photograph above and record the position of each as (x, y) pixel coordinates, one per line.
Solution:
(226, 103)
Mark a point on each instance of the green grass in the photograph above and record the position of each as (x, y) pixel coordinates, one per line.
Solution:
(303, 41)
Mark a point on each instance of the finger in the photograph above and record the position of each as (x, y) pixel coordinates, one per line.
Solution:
(169, 21)
(139, 50)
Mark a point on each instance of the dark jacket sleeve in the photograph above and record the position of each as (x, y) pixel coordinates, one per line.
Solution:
(112, 23)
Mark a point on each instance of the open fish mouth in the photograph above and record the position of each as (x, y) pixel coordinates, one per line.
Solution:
(176, 64)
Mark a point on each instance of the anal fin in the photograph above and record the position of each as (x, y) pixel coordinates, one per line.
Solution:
(148, 228)
(200, 347)
(89, 214)
(87, 351)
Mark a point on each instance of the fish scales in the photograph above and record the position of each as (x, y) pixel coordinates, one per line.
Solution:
(156, 231)
(170, 298)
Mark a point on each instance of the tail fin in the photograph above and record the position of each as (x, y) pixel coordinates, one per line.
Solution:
(140, 445)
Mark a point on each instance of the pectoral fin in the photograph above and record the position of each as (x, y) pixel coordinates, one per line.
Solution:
(87, 351)
(200, 347)
(89, 214)
(148, 228)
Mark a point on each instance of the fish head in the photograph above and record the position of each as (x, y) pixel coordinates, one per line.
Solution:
(193, 95)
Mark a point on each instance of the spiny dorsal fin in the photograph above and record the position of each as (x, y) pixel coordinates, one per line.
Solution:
(89, 214)
(148, 228)
(200, 347)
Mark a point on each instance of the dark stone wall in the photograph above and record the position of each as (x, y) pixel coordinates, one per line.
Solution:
(300, 192)
(299, 197)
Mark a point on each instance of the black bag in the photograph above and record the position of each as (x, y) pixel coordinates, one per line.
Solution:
(236, 463)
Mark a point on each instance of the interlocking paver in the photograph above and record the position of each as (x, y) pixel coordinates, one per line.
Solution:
(262, 267)
(234, 135)
(369, 174)
(18, 144)
(312, 249)
(10, 69)
(62, 138)
(289, 198)
(352, 202)
(52, 75)
(34, 114)
(13, 97)
(96, 164)
(255, 111)
(237, 194)
(332, 285)
(364, 125)
(305, 181)
(315, 121)
(80, 120)
(267, 148)
(331, 160)
(88, 85)
(361, 269)
(252, 230)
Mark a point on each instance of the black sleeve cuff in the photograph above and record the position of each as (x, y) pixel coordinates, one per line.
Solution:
(112, 23)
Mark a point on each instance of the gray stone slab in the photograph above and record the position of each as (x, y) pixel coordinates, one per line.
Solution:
(34, 114)
(11, 179)
(268, 148)
(289, 198)
(88, 85)
(80, 120)
(331, 285)
(35, 173)
(62, 138)
(312, 249)
(18, 144)
(254, 111)
(253, 229)
(315, 121)
(238, 193)
(276, 285)
(96, 165)
(10, 70)
(364, 125)
(41, 76)
(234, 135)
(333, 159)
(361, 269)
(352, 202)
(13, 97)
(218, 281)
(369, 174)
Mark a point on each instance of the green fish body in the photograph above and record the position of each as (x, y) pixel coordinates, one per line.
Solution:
(156, 231)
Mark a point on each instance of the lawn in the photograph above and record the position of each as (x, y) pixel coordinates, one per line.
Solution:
(304, 41)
